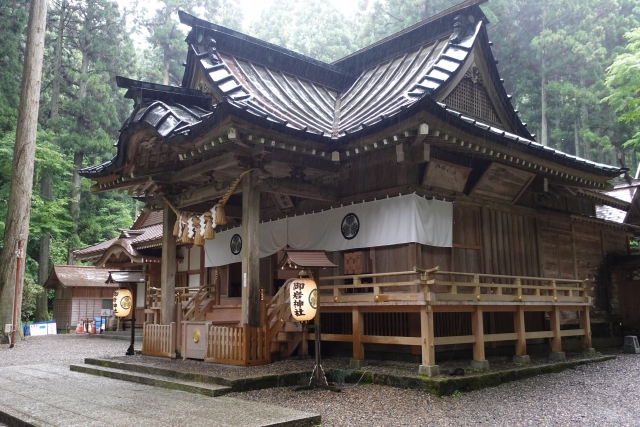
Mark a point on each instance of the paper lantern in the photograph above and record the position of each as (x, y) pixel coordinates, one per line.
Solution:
(304, 299)
(122, 302)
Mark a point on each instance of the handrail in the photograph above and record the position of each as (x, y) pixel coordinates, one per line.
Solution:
(500, 276)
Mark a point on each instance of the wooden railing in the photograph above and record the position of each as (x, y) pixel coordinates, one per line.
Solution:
(244, 346)
(159, 340)
(277, 311)
(478, 288)
(196, 302)
(452, 293)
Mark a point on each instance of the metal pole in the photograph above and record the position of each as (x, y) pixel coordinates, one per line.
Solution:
(130, 350)
(16, 295)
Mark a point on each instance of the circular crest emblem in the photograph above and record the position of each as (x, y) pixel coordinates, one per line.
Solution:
(236, 244)
(196, 336)
(350, 226)
(125, 303)
(313, 299)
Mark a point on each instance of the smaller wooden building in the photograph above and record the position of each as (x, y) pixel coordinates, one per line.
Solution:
(79, 293)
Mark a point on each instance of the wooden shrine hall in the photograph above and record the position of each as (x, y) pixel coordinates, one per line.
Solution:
(404, 164)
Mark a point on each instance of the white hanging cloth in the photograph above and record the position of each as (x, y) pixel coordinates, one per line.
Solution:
(385, 222)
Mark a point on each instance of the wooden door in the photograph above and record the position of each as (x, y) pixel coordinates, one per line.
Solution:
(629, 299)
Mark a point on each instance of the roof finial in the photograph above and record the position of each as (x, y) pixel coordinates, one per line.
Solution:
(210, 45)
(460, 25)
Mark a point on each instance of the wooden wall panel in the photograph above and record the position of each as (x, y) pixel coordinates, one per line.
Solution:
(395, 258)
(588, 246)
(62, 313)
(557, 253)
(86, 292)
(467, 239)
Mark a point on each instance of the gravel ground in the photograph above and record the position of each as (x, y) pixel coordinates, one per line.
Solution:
(603, 394)
(63, 349)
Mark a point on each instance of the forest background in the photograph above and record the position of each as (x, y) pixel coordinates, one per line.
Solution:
(572, 66)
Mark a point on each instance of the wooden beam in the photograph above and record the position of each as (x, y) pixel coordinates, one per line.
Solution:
(554, 321)
(168, 267)
(119, 184)
(250, 251)
(477, 328)
(519, 328)
(209, 165)
(585, 324)
(423, 131)
(299, 189)
(400, 154)
(207, 193)
(427, 335)
(357, 322)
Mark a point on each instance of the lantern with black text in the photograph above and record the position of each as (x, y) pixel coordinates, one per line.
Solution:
(122, 302)
(304, 299)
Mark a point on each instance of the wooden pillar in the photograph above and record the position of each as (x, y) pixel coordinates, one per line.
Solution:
(426, 332)
(519, 328)
(585, 324)
(357, 322)
(250, 251)
(554, 320)
(477, 328)
(168, 267)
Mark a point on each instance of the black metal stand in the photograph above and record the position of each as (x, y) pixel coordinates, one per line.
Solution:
(318, 379)
(130, 350)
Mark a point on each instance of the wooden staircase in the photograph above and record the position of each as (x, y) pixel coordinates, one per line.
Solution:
(284, 333)
(196, 302)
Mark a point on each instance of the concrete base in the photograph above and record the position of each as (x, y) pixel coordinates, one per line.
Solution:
(523, 360)
(429, 370)
(480, 364)
(590, 351)
(557, 356)
(357, 364)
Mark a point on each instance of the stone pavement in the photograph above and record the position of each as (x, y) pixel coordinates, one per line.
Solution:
(48, 395)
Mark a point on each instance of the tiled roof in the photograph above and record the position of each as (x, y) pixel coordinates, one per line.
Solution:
(71, 276)
(150, 234)
(612, 214)
(622, 190)
(335, 103)
(95, 249)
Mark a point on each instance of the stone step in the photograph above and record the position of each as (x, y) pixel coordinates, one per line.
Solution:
(120, 335)
(157, 371)
(207, 389)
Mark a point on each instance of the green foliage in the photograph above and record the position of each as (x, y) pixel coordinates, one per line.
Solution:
(623, 78)
(315, 28)
(13, 19)
(380, 18)
(162, 61)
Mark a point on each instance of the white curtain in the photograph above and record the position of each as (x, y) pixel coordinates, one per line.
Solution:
(392, 221)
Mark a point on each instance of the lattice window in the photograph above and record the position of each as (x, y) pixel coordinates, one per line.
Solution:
(632, 274)
(470, 96)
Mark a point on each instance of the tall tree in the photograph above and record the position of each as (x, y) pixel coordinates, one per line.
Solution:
(315, 28)
(623, 78)
(89, 113)
(46, 183)
(166, 36)
(18, 212)
(13, 18)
